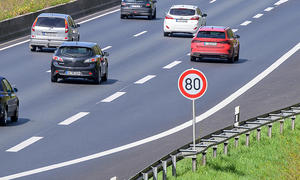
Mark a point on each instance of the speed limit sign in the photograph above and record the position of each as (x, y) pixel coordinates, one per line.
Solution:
(192, 84)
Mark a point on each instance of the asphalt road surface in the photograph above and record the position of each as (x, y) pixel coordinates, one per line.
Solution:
(119, 127)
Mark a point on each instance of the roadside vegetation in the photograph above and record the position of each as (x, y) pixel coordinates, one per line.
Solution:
(13, 8)
(276, 158)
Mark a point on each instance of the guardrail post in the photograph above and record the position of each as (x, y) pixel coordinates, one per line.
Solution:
(215, 148)
(281, 126)
(164, 166)
(173, 157)
(236, 141)
(145, 176)
(293, 122)
(258, 134)
(247, 138)
(270, 130)
(194, 162)
(236, 116)
(203, 158)
(154, 169)
(226, 147)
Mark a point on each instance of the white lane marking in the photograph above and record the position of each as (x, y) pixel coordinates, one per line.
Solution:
(96, 17)
(172, 64)
(145, 79)
(176, 129)
(24, 144)
(258, 16)
(188, 54)
(106, 48)
(235, 30)
(113, 97)
(74, 118)
(49, 71)
(246, 23)
(138, 34)
(268, 9)
(113, 178)
(280, 2)
(212, 1)
(13, 45)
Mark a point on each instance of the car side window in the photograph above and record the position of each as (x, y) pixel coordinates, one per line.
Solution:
(229, 33)
(100, 51)
(70, 21)
(1, 86)
(199, 12)
(7, 86)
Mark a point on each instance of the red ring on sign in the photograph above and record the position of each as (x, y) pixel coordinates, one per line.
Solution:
(204, 81)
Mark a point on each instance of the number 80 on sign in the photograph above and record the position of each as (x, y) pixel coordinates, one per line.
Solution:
(192, 84)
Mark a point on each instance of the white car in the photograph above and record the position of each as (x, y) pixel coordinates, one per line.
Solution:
(183, 19)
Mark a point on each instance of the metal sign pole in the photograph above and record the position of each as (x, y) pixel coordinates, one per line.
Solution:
(194, 126)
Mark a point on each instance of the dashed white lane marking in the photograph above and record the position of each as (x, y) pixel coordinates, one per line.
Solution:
(96, 17)
(280, 2)
(49, 71)
(138, 34)
(188, 54)
(246, 23)
(258, 16)
(113, 178)
(24, 144)
(212, 1)
(172, 64)
(176, 129)
(106, 48)
(13, 45)
(73, 118)
(113, 97)
(235, 30)
(269, 9)
(145, 79)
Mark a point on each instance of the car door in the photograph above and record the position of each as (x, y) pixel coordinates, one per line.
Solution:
(102, 60)
(234, 41)
(12, 100)
(73, 29)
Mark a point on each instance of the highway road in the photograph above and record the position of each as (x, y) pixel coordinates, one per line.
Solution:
(110, 128)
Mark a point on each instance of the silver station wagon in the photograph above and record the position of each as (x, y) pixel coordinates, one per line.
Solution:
(50, 30)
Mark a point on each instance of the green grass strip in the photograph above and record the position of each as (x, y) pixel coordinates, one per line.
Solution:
(276, 158)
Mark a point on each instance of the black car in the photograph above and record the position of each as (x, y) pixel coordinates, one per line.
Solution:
(138, 8)
(79, 60)
(9, 106)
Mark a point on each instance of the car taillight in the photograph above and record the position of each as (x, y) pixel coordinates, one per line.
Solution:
(195, 18)
(123, 4)
(224, 42)
(66, 27)
(147, 5)
(168, 17)
(33, 26)
(196, 41)
(56, 58)
(91, 60)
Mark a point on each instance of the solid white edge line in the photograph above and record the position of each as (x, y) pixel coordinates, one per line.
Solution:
(24, 144)
(113, 97)
(172, 64)
(258, 16)
(203, 116)
(106, 48)
(280, 2)
(246, 23)
(74, 118)
(138, 34)
(145, 79)
(269, 9)
(96, 17)
(13, 45)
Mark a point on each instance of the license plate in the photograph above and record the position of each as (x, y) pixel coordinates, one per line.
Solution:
(135, 6)
(181, 20)
(210, 43)
(48, 34)
(73, 73)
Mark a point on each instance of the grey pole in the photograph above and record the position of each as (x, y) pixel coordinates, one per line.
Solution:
(194, 126)
(164, 166)
(154, 169)
(293, 122)
(173, 165)
(145, 176)
(247, 138)
(236, 141)
(258, 134)
(203, 158)
(226, 147)
(281, 126)
(194, 162)
(270, 130)
(215, 148)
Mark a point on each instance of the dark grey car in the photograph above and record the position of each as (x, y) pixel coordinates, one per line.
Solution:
(138, 8)
(79, 60)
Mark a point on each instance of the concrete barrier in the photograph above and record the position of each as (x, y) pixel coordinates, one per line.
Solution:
(21, 25)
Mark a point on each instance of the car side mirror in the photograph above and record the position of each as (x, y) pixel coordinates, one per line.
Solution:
(105, 53)
(204, 15)
(15, 89)
(237, 36)
(77, 25)
(154, 1)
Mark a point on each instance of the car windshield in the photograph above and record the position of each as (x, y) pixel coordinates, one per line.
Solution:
(135, 1)
(50, 22)
(182, 12)
(75, 52)
(211, 34)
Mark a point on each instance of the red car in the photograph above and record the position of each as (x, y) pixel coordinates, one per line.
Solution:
(215, 42)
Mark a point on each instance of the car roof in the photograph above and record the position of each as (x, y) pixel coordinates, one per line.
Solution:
(57, 15)
(184, 6)
(213, 28)
(78, 44)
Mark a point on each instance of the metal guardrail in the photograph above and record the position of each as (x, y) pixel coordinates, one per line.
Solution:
(220, 137)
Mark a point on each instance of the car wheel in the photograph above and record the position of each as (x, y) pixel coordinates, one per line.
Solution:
(166, 34)
(150, 17)
(193, 58)
(4, 118)
(154, 16)
(15, 117)
(78, 39)
(105, 77)
(122, 16)
(231, 59)
(32, 48)
(53, 78)
(97, 78)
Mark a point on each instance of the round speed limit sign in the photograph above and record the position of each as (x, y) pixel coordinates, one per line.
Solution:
(192, 84)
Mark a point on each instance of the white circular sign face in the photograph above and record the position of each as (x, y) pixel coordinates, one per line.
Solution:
(192, 84)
